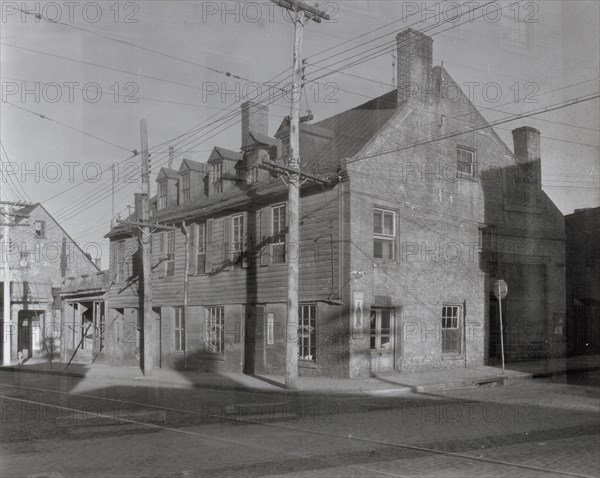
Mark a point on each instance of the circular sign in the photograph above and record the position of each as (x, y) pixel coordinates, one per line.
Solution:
(500, 289)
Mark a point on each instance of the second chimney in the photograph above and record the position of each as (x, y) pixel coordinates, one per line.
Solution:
(527, 144)
(415, 59)
(255, 117)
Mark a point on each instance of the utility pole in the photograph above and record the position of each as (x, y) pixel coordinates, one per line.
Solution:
(112, 217)
(149, 341)
(7, 222)
(302, 13)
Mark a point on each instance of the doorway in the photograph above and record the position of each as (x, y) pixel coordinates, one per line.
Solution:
(254, 340)
(382, 339)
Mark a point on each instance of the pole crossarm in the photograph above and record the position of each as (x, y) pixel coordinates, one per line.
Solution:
(296, 5)
(276, 168)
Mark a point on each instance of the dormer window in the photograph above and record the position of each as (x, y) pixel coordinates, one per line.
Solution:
(162, 195)
(185, 188)
(217, 177)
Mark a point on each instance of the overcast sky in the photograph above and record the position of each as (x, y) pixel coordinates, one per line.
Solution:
(187, 86)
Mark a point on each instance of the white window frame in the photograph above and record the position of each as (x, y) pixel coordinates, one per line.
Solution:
(270, 329)
(185, 189)
(461, 156)
(169, 253)
(215, 329)
(307, 329)
(278, 233)
(217, 176)
(452, 317)
(162, 195)
(381, 236)
(179, 330)
(237, 237)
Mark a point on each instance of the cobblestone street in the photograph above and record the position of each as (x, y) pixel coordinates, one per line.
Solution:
(64, 427)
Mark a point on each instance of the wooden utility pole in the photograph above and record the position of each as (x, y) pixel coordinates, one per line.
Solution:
(302, 13)
(149, 341)
(8, 221)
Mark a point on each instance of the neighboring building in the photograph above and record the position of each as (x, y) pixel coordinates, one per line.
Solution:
(583, 281)
(41, 255)
(399, 247)
(83, 317)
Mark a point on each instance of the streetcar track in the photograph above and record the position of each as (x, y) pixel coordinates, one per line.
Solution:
(283, 427)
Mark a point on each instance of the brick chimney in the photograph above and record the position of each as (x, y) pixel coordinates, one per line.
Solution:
(415, 59)
(528, 153)
(255, 117)
(527, 144)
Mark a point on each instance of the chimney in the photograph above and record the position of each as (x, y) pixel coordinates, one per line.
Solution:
(528, 153)
(527, 144)
(255, 117)
(415, 59)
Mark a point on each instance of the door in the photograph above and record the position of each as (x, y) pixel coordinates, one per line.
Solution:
(382, 339)
(25, 334)
(98, 326)
(254, 348)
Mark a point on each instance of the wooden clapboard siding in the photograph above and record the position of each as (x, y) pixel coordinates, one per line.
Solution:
(226, 284)
(124, 292)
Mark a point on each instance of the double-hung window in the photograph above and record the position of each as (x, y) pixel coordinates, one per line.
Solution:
(307, 339)
(465, 162)
(185, 188)
(237, 237)
(179, 330)
(384, 235)
(162, 195)
(278, 230)
(170, 254)
(217, 177)
(215, 330)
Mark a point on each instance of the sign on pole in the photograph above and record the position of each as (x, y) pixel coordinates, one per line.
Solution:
(500, 291)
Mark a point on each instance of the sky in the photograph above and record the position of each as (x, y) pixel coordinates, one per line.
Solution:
(77, 82)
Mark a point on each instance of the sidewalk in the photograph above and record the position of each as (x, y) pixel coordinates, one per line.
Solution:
(388, 383)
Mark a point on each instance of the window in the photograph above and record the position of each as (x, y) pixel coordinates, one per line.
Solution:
(121, 261)
(307, 343)
(170, 254)
(179, 330)
(162, 195)
(487, 238)
(384, 234)
(40, 229)
(451, 329)
(24, 259)
(465, 162)
(278, 223)
(185, 188)
(237, 237)
(217, 177)
(215, 330)
(270, 329)
(201, 249)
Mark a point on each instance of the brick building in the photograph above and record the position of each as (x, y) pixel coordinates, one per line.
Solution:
(41, 255)
(421, 208)
(583, 280)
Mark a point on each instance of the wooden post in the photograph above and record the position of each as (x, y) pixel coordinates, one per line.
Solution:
(300, 11)
(149, 341)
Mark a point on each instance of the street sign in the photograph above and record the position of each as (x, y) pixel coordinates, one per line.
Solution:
(500, 289)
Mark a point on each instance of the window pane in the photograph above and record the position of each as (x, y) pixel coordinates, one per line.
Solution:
(378, 249)
(377, 222)
(388, 224)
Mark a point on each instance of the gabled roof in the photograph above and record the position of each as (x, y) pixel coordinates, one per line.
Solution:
(189, 165)
(167, 173)
(252, 138)
(26, 210)
(219, 154)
